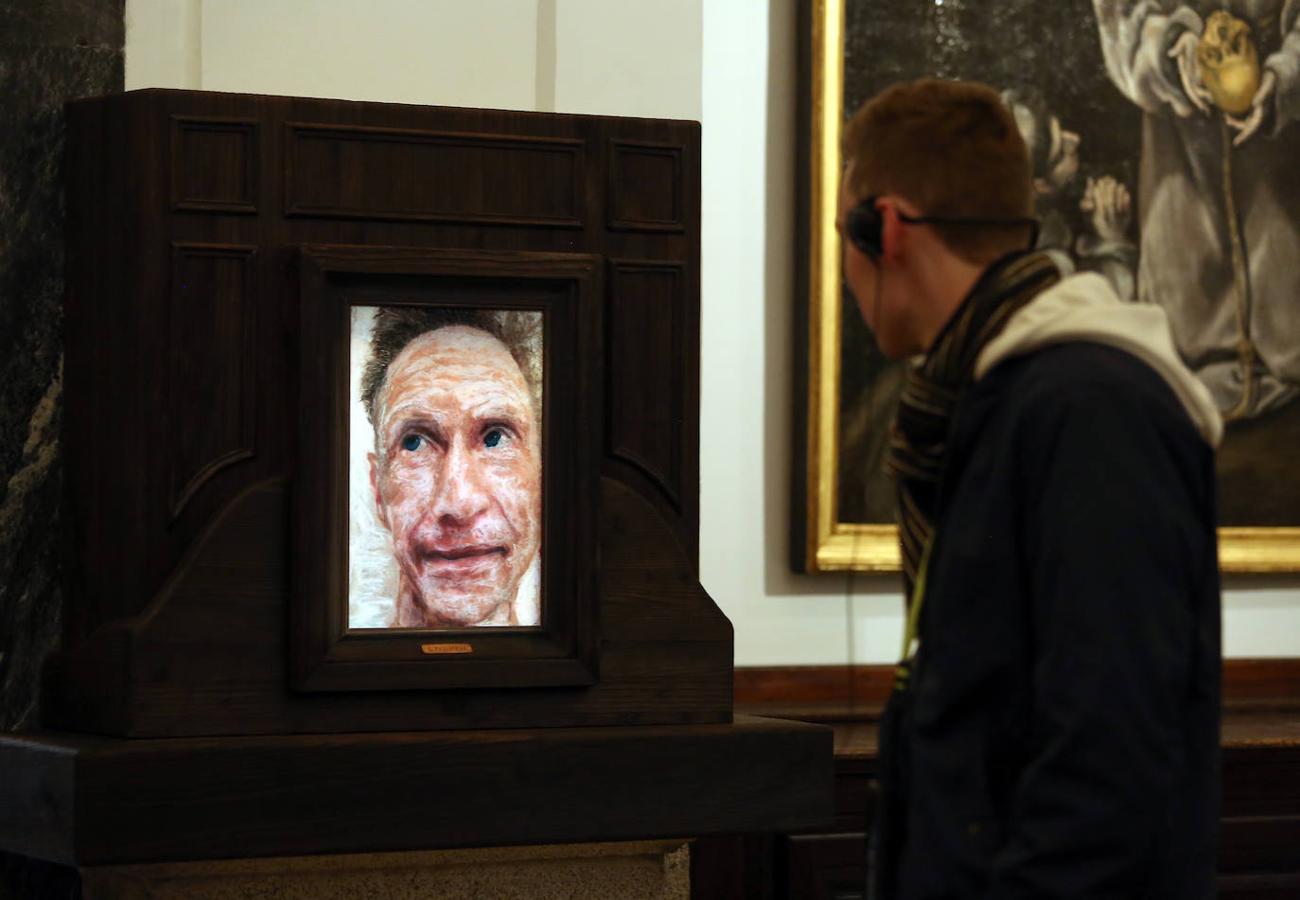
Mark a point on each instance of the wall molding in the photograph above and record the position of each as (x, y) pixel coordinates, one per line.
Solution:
(852, 692)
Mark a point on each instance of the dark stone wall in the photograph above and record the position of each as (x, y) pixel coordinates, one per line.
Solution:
(51, 51)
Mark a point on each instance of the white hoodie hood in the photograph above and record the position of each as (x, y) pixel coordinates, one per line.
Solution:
(1084, 308)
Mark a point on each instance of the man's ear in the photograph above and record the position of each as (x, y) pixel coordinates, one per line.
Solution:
(1042, 185)
(380, 510)
(892, 230)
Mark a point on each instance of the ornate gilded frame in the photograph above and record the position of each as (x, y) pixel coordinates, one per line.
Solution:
(824, 543)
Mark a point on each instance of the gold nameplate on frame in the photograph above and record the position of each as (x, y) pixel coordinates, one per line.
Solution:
(440, 649)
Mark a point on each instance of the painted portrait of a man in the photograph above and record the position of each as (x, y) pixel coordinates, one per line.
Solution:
(446, 493)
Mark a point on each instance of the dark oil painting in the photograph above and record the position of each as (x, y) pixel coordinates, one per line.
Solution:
(1167, 158)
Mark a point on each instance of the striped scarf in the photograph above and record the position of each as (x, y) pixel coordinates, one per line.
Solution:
(919, 442)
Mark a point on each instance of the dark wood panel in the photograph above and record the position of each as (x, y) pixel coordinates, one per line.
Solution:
(825, 866)
(646, 320)
(1262, 779)
(288, 795)
(387, 173)
(214, 164)
(1269, 886)
(865, 686)
(103, 438)
(177, 617)
(1262, 683)
(1263, 843)
(1259, 834)
(213, 364)
(37, 799)
(734, 867)
(645, 187)
(646, 597)
(209, 656)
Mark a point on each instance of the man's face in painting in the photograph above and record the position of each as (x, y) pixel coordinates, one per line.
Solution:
(456, 475)
(1062, 158)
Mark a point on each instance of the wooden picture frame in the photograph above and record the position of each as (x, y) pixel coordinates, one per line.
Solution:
(823, 538)
(328, 654)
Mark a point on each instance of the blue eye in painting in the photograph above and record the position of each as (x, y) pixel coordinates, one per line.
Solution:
(493, 437)
(412, 442)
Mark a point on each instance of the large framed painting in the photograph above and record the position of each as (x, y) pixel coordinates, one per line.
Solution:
(445, 493)
(1164, 141)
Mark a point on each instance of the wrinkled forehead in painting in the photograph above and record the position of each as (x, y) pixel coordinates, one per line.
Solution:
(459, 369)
(396, 328)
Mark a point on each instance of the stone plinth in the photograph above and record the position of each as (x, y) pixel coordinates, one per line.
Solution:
(644, 870)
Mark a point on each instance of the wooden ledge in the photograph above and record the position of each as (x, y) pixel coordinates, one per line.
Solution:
(1243, 732)
(80, 800)
(845, 694)
(1261, 700)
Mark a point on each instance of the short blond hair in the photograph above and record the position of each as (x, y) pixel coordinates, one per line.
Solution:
(953, 149)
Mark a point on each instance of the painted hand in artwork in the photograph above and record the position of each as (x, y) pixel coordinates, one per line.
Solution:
(1109, 206)
(1183, 52)
(1247, 126)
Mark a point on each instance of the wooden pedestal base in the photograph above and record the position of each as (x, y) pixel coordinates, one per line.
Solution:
(91, 801)
(641, 870)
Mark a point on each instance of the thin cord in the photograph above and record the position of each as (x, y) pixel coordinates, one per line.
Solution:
(852, 667)
(851, 633)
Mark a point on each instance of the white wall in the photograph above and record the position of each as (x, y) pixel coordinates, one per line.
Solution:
(748, 287)
(610, 58)
(732, 66)
(578, 56)
(164, 43)
(1261, 617)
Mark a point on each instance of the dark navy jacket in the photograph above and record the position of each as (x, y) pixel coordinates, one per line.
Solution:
(1060, 737)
